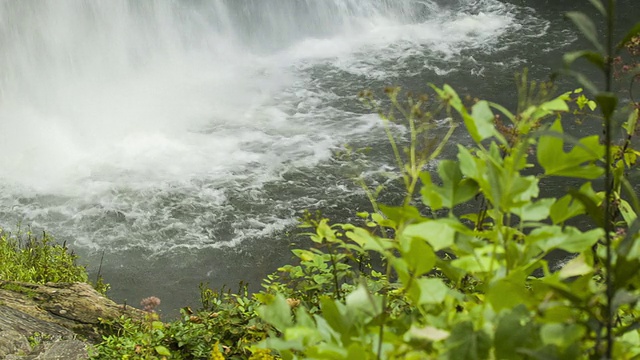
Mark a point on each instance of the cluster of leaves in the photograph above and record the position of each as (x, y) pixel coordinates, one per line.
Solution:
(225, 327)
(479, 285)
(29, 258)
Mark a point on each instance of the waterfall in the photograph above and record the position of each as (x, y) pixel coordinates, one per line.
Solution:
(187, 116)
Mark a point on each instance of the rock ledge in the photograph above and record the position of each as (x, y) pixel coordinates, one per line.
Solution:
(53, 321)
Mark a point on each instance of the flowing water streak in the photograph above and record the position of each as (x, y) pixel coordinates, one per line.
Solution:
(163, 124)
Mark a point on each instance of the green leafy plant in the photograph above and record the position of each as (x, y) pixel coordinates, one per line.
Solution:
(479, 285)
(29, 258)
(225, 327)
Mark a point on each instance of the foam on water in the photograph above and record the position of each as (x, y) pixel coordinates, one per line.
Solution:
(189, 124)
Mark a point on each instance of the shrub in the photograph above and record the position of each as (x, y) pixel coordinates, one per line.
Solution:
(29, 258)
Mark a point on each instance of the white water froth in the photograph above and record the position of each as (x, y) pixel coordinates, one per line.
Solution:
(128, 123)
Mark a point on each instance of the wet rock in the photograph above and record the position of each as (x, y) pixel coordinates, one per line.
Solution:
(53, 321)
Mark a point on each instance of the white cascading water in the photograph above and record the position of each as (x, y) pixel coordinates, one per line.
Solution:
(145, 127)
(103, 99)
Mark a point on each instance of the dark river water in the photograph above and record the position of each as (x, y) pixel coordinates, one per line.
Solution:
(183, 139)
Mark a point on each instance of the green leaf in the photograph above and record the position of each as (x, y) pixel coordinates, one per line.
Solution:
(428, 291)
(561, 335)
(557, 104)
(514, 285)
(593, 57)
(399, 214)
(586, 27)
(419, 256)
(163, 351)
(635, 31)
(608, 103)
(631, 123)
(577, 266)
(473, 263)
(591, 202)
(157, 325)
(367, 241)
(570, 239)
(361, 300)
(455, 190)
(440, 234)
(627, 212)
(277, 313)
(335, 315)
(514, 331)
(465, 343)
(481, 121)
(556, 162)
(566, 208)
(535, 211)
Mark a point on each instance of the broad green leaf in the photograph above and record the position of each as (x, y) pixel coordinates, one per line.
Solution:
(418, 255)
(428, 291)
(481, 121)
(367, 241)
(567, 207)
(454, 190)
(627, 270)
(514, 285)
(465, 343)
(468, 164)
(628, 244)
(635, 31)
(163, 351)
(593, 57)
(557, 104)
(627, 212)
(535, 211)
(440, 234)
(399, 214)
(515, 330)
(608, 103)
(334, 313)
(324, 232)
(361, 300)
(586, 27)
(631, 123)
(561, 335)
(591, 202)
(570, 239)
(277, 313)
(303, 319)
(557, 162)
(453, 97)
(357, 352)
(577, 266)
(474, 263)
(521, 190)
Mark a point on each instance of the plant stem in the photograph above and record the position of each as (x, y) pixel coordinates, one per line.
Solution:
(609, 184)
